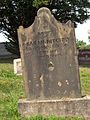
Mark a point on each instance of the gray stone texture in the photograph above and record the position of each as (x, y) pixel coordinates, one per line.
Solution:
(79, 107)
(49, 58)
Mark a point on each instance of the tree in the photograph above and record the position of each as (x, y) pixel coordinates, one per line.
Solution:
(14, 13)
(80, 44)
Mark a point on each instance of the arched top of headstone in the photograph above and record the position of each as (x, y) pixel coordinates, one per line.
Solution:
(40, 13)
(43, 10)
(46, 22)
(44, 17)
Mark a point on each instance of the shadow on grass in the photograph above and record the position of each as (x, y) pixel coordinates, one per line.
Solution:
(6, 60)
(85, 66)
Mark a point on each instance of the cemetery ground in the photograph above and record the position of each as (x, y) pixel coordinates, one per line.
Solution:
(11, 90)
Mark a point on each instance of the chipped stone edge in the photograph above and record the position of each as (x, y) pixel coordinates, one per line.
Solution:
(44, 101)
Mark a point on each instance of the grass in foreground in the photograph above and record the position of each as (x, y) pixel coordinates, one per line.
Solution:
(11, 90)
(85, 79)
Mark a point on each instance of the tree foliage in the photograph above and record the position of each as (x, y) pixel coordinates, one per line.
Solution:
(80, 44)
(14, 13)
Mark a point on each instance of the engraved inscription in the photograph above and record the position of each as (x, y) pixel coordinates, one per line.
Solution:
(46, 45)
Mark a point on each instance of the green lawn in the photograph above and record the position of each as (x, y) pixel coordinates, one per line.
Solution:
(11, 90)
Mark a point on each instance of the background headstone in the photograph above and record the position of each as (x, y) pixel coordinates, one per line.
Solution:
(17, 66)
(49, 58)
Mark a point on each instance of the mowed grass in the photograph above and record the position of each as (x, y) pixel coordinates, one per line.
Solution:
(85, 79)
(11, 90)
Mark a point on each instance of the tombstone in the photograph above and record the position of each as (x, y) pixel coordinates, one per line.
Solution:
(17, 66)
(49, 58)
(49, 63)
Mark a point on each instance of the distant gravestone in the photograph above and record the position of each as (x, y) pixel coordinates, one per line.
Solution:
(49, 58)
(17, 66)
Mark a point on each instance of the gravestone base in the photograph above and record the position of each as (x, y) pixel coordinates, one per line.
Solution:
(66, 107)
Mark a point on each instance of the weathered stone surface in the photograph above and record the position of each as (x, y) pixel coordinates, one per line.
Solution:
(17, 66)
(65, 107)
(49, 58)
